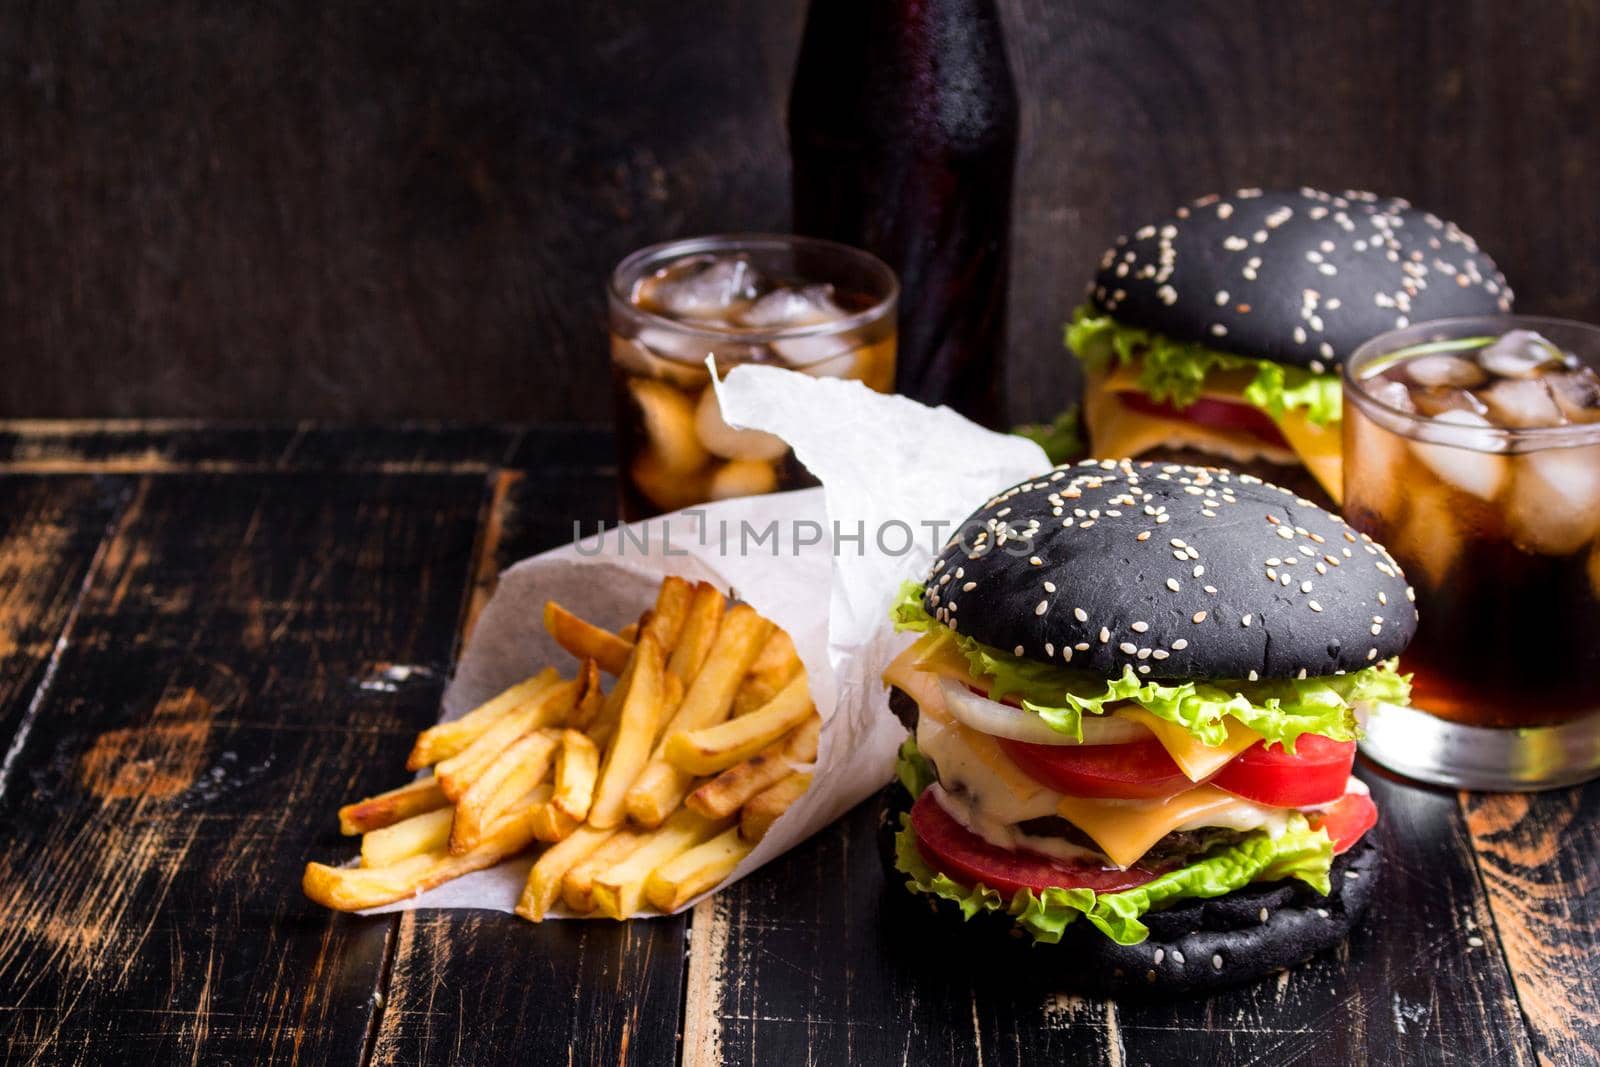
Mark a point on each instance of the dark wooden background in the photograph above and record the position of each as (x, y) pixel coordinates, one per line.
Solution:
(406, 209)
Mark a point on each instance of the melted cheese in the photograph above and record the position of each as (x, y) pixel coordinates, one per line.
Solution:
(969, 762)
(1117, 430)
(997, 832)
(989, 794)
(1197, 761)
(1319, 448)
(935, 655)
(1126, 829)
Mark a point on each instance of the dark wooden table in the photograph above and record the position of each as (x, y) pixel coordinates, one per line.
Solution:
(195, 627)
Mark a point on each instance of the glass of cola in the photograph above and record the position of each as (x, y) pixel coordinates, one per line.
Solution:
(1472, 451)
(814, 306)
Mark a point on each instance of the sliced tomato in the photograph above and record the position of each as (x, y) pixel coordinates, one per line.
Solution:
(1133, 771)
(1349, 818)
(963, 855)
(1314, 773)
(1217, 414)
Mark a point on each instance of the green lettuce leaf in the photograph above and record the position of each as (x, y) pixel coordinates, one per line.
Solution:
(1279, 709)
(1299, 852)
(1174, 371)
(1061, 438)
(913, 769)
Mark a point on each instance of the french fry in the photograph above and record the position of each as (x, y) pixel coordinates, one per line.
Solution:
(388, 845)
(505, 781)
(658, 791)
(775, 667)
(618, 891)
(637, 725)
(585, 640)
(549, 708)
(754, 692)
(763, 809)
(577, 884)
(355, 888)
(544, 880)
(777, 657)
(566, 762)
(661, 787)
(550, 824)
(728, 791)
(528, 810)
(446, 739)
(590, 699)
(577, 771)
(691, 873)
(716, 748)
(699, 632)
(667, 618)
(601, 727)
(386, 809)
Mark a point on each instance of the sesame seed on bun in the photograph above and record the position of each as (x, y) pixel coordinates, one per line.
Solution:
(1300, 277)
(1177, 572)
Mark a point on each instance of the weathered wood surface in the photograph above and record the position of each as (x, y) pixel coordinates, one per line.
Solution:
(190, 681)
(365, 211)
(1538, 858)
(212, 706)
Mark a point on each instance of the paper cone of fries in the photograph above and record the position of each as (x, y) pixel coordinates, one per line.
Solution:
(635, 720)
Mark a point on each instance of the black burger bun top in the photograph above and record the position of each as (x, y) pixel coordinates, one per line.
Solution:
(1177, 572)
(1299, 277)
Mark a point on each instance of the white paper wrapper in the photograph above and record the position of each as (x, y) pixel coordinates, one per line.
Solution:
(825, 564)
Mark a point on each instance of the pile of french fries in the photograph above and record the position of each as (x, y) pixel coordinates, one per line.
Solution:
(644, 795)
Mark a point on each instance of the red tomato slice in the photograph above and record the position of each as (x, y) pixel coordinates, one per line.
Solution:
(1217, 414)
(1131, 771)
(963, 855)
(1349, 818)
(1315, 773)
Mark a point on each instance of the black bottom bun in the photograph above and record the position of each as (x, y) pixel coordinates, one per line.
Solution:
(1196, 946)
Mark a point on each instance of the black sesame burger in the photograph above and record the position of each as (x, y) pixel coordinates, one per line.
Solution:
(1221, 328)
(1134, 719)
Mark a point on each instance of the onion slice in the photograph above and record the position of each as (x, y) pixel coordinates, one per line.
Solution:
(991, 717)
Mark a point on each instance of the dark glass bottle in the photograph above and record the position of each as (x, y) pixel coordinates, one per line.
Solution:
(903, 133)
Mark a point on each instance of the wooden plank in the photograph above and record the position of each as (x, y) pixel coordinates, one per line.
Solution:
(225, 688)
(123, 446)
(810, 960)
(50, 530)
(167, 446)
(1537, 854)
(413, 447)
(1421, 980)
(486, 988)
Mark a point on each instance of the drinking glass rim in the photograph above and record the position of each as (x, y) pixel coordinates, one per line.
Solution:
(618, 296)
(1505, 439)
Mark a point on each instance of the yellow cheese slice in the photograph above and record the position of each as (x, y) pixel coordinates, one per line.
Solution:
(923, 687)
(936, 656)
(1197, 760)
(1319, 448)
(1117, 430)
(936, 653)
(1126, 829)
(1123, 829)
